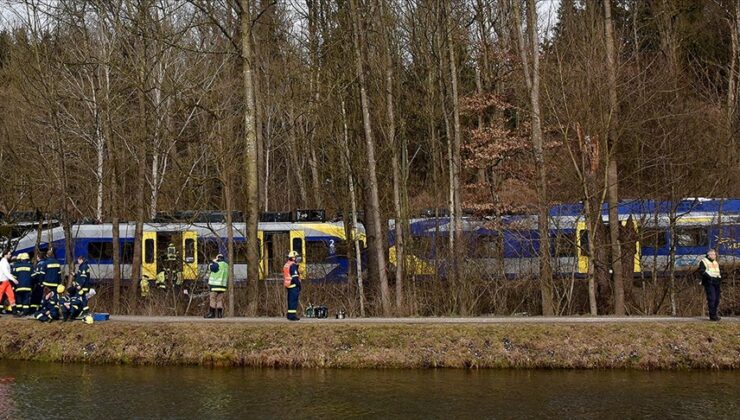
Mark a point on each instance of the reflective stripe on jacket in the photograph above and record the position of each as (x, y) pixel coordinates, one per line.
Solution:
(711, 268)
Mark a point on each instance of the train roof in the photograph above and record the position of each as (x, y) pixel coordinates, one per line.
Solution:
(632, 207)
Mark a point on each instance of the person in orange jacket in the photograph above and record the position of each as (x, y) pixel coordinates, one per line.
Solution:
(292, 283)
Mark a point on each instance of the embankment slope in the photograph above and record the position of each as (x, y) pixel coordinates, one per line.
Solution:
(649, 345)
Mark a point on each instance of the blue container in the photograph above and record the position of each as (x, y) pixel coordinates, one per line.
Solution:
(101, 316)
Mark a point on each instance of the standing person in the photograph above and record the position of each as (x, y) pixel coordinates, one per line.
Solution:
(82, 275)
(711, 279)
(39, 275)
(292, 282)
(217, 283)
(7, 280)
(22, 272)
(52, 278)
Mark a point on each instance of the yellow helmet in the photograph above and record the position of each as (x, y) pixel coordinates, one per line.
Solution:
(23, 256)
(293, 254)
(60, 288)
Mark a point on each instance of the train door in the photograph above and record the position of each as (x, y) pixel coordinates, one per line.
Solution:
(298, 244)
(189, 253)
(149, 255)
(263, 256)
(582, 247)
(275, 245)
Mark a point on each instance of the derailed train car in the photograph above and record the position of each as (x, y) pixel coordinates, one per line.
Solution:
(321, 244)
(509, 246)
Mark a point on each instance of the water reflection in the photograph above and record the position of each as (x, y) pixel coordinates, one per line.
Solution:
(52, 390)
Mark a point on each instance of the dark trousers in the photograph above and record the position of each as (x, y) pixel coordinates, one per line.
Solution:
(293, 294)
(713, 293)
(36, 296)
(23, 301)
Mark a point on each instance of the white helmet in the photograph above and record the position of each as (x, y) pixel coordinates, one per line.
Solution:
(293, 254)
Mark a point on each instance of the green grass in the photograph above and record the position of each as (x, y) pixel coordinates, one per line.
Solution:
(603, 346)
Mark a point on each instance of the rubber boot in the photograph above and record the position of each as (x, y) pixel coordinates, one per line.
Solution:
(211, 313)
(220, 313)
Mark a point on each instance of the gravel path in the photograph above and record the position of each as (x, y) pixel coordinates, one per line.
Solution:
(476, 320)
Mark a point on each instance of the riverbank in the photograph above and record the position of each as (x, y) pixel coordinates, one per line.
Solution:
(645, 345)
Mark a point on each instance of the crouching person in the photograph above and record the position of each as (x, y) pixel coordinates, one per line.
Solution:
(74, 305)
(50, 305)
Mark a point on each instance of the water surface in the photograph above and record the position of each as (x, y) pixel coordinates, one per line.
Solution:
(40, 390)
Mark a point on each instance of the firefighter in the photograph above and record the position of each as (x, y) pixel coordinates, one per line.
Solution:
(217, 283)
(74, 305)
(52, 269)
(49, 309)
(22, 270)
(38, 276)
(7, 281)
(292, 282)
(82, 275)
(711, 279)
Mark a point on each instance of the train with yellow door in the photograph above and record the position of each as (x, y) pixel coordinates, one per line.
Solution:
(323, 245)
(659, 237)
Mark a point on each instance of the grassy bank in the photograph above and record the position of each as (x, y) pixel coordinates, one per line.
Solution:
(633, 346)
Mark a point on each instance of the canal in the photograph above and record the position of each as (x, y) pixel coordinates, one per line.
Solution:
(40, 390)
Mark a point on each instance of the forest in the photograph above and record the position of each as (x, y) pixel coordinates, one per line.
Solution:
(117, 110)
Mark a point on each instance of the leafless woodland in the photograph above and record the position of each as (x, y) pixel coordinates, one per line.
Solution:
(115, 110)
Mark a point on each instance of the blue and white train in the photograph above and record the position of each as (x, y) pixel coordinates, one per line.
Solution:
(323, 246)
(510, 246)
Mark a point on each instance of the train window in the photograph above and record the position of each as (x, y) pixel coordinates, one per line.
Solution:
(240, 252)
(584, 243)
(654, 238)
(564, 244)
(127, 253)
(100, 250)
(691, 237)
(485, 247)
(318, 250)
(149, 251)
(189, 250)
(297, 245)
(207, 250)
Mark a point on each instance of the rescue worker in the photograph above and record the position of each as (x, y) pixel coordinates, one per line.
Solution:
(711, 279)
(217, 283)
(7, 280)
(74, 304)
(52, 270)
(22, 272)
(49, 309)
(170, 264)
(82, 275)
(292, 282)
(39, 275)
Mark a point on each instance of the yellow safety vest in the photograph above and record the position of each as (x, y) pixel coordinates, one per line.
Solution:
(711, 268)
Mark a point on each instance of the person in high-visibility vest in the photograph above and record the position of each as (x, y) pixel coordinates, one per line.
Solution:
(711, 279)
(217, 283)
(292, 283)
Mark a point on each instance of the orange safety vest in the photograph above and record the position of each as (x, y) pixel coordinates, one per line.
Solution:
(287, 278)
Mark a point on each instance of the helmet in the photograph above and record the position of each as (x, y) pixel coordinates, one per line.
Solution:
(293, 254)
(23, 256)
(220, 257)
(60, 288)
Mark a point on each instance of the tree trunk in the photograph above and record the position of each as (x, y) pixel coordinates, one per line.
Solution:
(612, 174)
(392, 143)
(250, 156)
(373, 205)
(353, 208)
(533, 85)
(456, 167)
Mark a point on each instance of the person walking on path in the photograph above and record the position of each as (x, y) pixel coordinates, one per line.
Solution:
(711, 279)
(217, 283)
(7, 280)
(292, 283)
